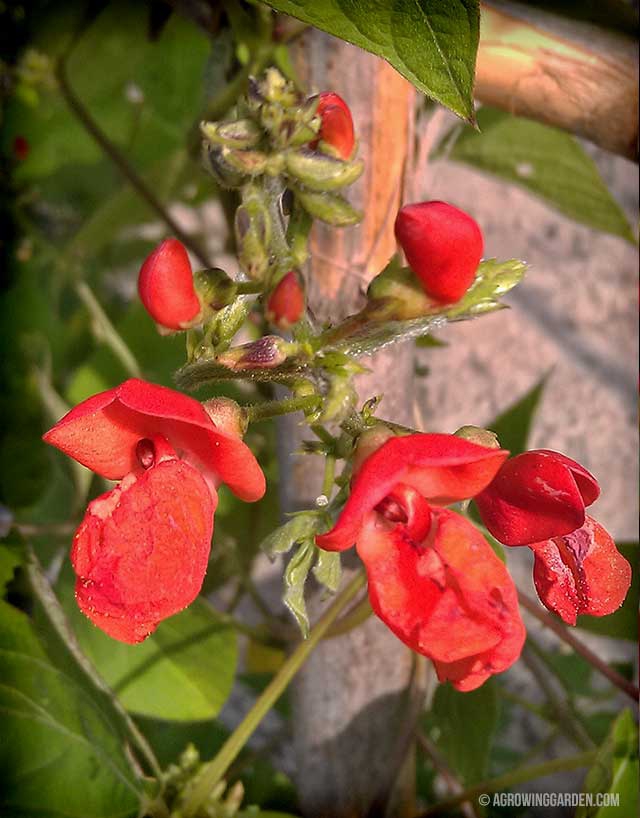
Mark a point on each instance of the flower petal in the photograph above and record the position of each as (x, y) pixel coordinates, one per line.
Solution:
(581, 573)
(141, 551)
(442, 468)
(449, 598)
(102, 433)
(535, 496)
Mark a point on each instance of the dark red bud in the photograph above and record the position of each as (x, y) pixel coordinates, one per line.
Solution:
(337, 124)
(286, 303)
(443, 246)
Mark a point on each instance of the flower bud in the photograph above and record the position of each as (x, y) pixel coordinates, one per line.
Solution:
(328, 207)
(443, 246)
(241, 133)
(336, 129)
(396, 294)
(225, 175)
(369, 442)
(253, 231)
(249, 163)
(320, 172)
(166, 288)
(286, 303)
(265, 353)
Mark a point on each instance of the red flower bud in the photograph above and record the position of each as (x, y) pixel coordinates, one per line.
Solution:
(536, 496)
(336, 128)
(581, 573)
(165, 285)
(286, 303)
(21, 148)
(443, 246)
(134, 569)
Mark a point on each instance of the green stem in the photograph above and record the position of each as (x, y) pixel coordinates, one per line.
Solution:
(212, 772)
(249, 287)
(329, 476)
(273, 408)
(512, 779)
(107, 332)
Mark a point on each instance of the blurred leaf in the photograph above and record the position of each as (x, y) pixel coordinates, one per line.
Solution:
(428, 341)
(328, 569)
(623, 623)
(299, 527)
(573, 672)
(493, 279)
(463, 726)
(54, 736)
(184, 671)
(513, 426)
(169, 738)
(546, 161)
(295, 577)
(9, 561)
(432, 43)
(615, 771)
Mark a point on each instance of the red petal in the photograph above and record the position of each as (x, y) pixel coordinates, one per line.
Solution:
(449, 598)
(141, 551)
(535, 496)
(587, 484)
(165, 286)
(102, 433)
(581, 573)
(443, 468)
(443, 246)
(337, 124)
(286, 303)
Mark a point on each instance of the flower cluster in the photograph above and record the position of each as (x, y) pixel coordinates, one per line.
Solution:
(434, 579)
(141, 551)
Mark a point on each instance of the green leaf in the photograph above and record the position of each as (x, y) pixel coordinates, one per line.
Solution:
(59, 754)
(432, 43)
(9, 560)
(513, 426)
(546, 161)
(328, 569)
(463, 725)
(299, 527)
(493, 279)
(614, 772)
(623, 623)
(295, 577)
(184, 671)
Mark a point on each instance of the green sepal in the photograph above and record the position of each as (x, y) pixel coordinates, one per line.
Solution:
(328, 207)
(240, 133)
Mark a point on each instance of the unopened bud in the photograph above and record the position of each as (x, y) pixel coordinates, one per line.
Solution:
(166, 287)
(328, 207)
(286, 303)
(336, 129)
(482, 437)
(319, 172)
(398, 289)
(222, 172)
(240, 133)
(215, 289)
(247, 162)
(253, 232)
(265, 353)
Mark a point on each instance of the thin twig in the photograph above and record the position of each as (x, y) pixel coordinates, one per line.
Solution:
(580, 648)
(122, 163)
(453, 783)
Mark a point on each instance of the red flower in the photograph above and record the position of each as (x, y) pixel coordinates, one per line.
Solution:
(581, 573)
(336, 128)
(286, 303)
(165, 286)
(443, 246)
(141, 551)
(433, 579)
(535, 496)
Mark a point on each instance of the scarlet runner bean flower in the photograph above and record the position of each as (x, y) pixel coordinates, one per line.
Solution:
(141, 551)
(165, 286)
(538, 499)
(443, 246)
(433, 579)
(336, 127)
(286, 303)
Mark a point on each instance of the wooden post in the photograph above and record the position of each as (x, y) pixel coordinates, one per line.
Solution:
(357, 699)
